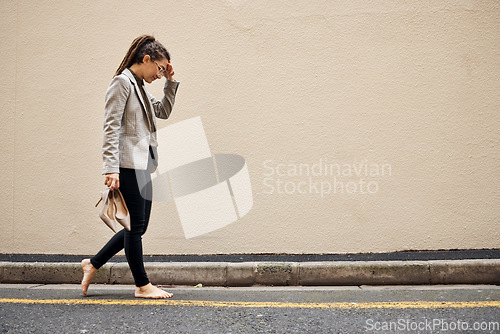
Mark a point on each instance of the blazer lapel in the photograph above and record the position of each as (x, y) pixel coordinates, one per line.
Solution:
(138, 91)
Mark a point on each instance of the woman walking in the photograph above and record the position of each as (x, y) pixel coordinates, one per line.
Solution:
(129, 152)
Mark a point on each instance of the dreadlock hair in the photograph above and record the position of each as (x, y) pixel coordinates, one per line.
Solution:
(141, 46)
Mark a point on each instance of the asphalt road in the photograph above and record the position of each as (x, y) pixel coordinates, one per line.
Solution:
(364, 309)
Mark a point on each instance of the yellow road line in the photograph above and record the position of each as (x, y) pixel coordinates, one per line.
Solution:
(168, 302)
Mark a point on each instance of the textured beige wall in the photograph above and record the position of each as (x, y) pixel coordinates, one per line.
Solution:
(410, 86)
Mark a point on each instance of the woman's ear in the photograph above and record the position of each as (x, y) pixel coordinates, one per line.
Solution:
(146, 58)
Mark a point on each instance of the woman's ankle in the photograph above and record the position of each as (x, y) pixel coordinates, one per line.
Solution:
(145, 287)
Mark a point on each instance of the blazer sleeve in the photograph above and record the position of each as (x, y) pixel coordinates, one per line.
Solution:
(163, 108)
(116, 99)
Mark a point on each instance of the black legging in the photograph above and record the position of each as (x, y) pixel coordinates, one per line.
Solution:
(139, 206)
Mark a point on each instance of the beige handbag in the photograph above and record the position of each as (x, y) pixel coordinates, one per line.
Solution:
(114, 210)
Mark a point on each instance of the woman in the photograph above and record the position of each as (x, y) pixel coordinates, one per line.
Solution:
(129, 152)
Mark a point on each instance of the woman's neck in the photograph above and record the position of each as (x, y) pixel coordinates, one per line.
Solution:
(136, 68)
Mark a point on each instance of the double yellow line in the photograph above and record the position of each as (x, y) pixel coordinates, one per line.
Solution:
(202, 303)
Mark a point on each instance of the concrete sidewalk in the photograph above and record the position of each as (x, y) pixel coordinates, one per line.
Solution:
(470, 271)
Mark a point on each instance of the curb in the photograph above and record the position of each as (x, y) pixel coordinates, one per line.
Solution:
(485, 271)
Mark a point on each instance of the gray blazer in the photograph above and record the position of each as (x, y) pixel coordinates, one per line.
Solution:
(127, 129)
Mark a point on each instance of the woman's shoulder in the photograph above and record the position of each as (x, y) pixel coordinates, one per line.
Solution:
(120, 80)
(122, 77)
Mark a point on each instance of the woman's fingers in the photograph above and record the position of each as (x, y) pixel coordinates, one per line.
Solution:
(169, 71)
(112, 181)
(115, 184)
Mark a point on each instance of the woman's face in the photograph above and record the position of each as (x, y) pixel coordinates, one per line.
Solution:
(154, 69)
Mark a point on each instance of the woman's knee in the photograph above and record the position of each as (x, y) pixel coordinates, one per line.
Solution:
(137, 228)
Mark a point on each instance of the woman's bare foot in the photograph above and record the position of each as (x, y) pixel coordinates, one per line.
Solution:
(88, 274)
(151, 291)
